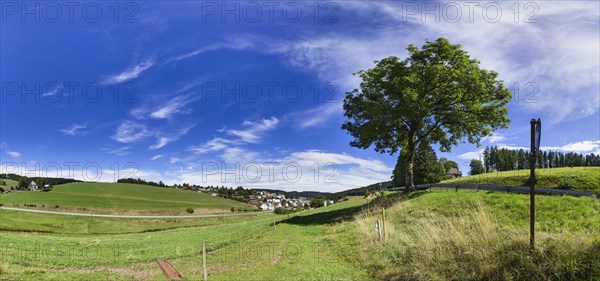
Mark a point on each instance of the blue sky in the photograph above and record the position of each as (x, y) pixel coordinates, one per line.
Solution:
(189, 89)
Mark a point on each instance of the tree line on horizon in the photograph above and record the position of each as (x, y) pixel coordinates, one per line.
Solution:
(504, 159)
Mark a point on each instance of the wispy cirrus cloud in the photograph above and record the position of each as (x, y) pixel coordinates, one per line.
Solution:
(120, 151)
(75, 129)
(213, 145)
(235, 43)
(131, 73)
(13, 154)
(172, 107)
(317, 116)
(165, 138)
(254, 131)
(130, 131)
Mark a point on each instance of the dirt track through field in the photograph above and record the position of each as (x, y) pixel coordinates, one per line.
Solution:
(127, 216)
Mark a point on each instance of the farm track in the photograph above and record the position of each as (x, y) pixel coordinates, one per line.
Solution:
(127, 216)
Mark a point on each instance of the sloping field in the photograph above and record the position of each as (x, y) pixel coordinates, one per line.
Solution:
(9, 183)
(579, 178)
(468, 235)
(122, 199)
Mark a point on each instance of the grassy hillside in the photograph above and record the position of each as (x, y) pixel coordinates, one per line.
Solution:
(579, 178)
(468, 235)
(121, 198)
(9, 183)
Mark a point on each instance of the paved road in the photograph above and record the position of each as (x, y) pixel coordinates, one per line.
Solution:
(125, 216)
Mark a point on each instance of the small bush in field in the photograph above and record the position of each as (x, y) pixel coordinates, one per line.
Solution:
(190, 210)
(566, 184)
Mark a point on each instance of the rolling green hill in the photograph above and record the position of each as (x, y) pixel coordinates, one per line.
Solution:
(121, 198)
(9, 183)
(579, 178)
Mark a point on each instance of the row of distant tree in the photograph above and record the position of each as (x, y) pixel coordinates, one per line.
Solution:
(231, 192)
(24, 181)
(503, 159)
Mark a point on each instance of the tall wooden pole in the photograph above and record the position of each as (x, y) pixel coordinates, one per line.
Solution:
(204, 261)
(532, 158)
(383, 221)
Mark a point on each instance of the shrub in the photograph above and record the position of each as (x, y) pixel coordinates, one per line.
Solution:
(281, 211)
(190, 210)
(566, 184)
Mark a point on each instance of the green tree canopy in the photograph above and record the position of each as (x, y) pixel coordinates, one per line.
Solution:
(448, 163)
(427, 169)
(476, 167)
(438, 94)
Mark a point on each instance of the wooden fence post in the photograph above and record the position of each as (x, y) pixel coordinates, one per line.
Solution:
(204, 261)
(383, 221)
(378, 225)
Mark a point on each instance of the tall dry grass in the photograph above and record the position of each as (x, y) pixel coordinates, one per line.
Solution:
(470, 245)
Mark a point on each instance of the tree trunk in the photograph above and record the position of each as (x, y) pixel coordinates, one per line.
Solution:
(409, 184)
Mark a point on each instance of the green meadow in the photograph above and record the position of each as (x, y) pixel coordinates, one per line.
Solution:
(315, 244)
(429, 235)
(119, 198)
(579, 178)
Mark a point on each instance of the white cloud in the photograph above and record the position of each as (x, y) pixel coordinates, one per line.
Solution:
(13, 154)
(216, 144)
(156, 157)
(254, 130)
(496, 137)
(172, 107)
(130, 73)
(130, 131)
(303, 170)
(253, 133)
(165, 138)
(235, 43)
(122, 151)
(196, 52)
(471, 155)
(75, 129)
(584, 147)
(318, 115)
(579, 147)
(239, 155)
(559, 54)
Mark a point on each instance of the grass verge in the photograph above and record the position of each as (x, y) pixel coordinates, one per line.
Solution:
(445, 235)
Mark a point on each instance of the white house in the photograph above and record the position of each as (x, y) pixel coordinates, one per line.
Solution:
(32, 186)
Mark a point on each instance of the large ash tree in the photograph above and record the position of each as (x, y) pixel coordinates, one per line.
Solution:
(438, 94)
